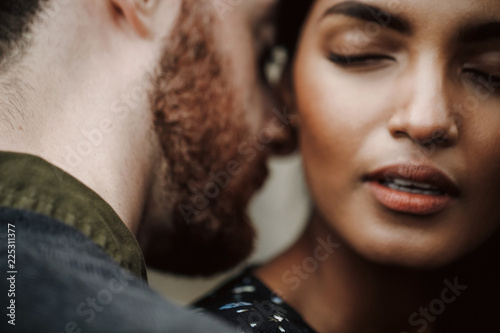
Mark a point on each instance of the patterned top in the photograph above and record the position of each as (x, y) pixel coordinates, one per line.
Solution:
(247, 303)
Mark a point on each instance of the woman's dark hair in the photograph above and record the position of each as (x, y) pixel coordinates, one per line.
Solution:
(291, 16)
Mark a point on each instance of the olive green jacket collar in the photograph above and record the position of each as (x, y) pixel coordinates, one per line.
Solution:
(30, 183)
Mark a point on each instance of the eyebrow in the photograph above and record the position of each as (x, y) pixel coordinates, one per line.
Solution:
(480, 33)
(370, 13)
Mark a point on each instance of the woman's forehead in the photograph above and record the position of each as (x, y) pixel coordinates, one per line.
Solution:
(457, 17)
(415, 7)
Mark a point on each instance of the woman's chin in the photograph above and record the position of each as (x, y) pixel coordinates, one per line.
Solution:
(417, 253)
(404, 240)
(410, 258)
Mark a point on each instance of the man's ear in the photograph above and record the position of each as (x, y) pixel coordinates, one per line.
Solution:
(138, 14)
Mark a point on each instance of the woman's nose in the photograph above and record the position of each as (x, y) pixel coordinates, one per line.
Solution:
(426, 113)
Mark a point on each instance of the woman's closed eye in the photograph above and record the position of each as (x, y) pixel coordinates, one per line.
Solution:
(365, 60)
(490, 81)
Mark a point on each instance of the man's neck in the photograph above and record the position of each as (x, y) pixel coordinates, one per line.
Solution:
(86, 133)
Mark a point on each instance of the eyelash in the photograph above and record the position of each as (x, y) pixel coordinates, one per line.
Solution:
(486, 79)
(347, 60)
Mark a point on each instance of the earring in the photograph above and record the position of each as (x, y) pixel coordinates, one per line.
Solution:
(276, 65)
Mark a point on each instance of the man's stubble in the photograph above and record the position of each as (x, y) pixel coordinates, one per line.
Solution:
(201, 125)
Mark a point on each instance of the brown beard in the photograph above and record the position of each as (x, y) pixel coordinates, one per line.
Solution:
(201, 126)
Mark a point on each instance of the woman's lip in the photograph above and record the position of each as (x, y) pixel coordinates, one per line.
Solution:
(412, 203)
(416, 173)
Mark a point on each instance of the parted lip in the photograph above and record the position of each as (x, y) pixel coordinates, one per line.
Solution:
(416, 173)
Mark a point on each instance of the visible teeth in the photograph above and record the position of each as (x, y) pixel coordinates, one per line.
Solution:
(403, 182)
(414, 190)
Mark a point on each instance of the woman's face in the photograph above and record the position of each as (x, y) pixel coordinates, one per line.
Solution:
(399, 105)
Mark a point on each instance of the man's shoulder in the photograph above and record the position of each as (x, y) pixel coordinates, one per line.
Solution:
(63, 282)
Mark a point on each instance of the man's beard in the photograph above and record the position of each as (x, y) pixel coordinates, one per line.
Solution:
(201, 124)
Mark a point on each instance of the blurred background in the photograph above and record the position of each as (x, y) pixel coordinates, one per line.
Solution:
(279, 212)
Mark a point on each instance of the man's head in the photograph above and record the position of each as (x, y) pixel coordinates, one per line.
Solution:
(16, 17)
(159, 106)
(208, 103)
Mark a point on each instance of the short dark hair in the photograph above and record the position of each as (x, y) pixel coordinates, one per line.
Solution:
(16, 17)
(291, 17)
